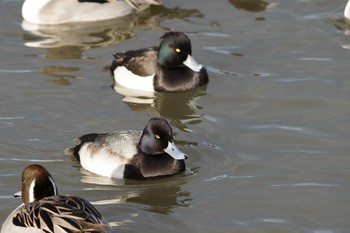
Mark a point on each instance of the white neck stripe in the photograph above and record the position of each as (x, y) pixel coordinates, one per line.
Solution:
(54, 186)
(31, 191)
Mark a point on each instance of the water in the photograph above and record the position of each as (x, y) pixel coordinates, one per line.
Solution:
(268, 137)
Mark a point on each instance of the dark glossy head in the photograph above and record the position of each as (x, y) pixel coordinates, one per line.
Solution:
(37, 183)
(174, 49)
(157, 138)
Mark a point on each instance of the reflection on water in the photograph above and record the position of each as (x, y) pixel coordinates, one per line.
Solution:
(343, 25)
(82, 35)
(54, 71)
(180, 108)
(65, 52)
(102, 33)
(250, 5)
(159, 195)
(162, 198)
(68, 41)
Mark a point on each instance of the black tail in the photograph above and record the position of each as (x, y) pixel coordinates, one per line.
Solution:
(74, 151)
(119, 60)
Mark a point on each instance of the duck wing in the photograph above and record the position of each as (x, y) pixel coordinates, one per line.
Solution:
(122, 142)
(106, 154)
(60, 214)
(95, 1)
(142, 62)
(142, 4)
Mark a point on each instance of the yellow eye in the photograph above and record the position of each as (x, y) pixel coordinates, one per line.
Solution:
(177, 50)
(157, 136)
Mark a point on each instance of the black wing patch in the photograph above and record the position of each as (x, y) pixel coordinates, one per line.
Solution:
(94, 1)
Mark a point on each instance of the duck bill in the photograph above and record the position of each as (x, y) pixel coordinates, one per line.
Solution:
(18, 194)
(192, 64)
(174, 152)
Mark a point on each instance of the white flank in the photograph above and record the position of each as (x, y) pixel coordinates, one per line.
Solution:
(31, 9)
(102, 162)
(347, 10)
(126, 78)
(50, 12)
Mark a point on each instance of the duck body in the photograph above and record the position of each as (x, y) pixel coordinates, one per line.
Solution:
(129, 153)
(52, 12)
(347, 11)
(61, 213)
(43, 210)
(166, 68)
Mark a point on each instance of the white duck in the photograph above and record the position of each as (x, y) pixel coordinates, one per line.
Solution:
(51, 12)
(347, 10)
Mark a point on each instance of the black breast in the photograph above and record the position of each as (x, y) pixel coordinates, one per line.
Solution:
(179, 79)
(151, 166)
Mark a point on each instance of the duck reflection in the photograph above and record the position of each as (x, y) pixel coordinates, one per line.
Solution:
(343, 25)
(101, 33)
(185, 104)
(69, 41)
(250, 5)
(56, 72)
(160, 196)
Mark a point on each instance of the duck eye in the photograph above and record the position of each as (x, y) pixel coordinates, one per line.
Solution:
(157, 136)
(177, 50)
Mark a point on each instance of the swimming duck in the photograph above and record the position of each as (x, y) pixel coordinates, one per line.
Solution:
(347, 10)
(167, 68)
(131, 154)
(51, 12)
(43, 210)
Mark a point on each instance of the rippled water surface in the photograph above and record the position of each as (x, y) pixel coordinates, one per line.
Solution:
(268, 137)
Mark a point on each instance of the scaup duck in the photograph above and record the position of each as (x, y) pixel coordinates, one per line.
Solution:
(51, 12)
(347, 10)
(131, 154)
(167, 68)
(43, 210)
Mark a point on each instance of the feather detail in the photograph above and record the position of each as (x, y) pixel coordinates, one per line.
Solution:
(65, 212)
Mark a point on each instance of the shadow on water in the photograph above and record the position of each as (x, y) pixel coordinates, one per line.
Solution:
(69, 41)
(160, 195)
(185, 103)
(250, 5)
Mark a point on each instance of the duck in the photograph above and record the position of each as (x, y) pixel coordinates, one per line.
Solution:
(168, 67)
(131, 154)
(44, 210)
(54, 12)
(347, 10)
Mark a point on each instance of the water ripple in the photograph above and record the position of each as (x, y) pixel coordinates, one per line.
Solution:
(315, 59)
(217, 71)
(305, 79)
(302, 130)
(15, 71)
(258, 220)
(11, 118)
(221, 177)
(306, 184)
(32, 160)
